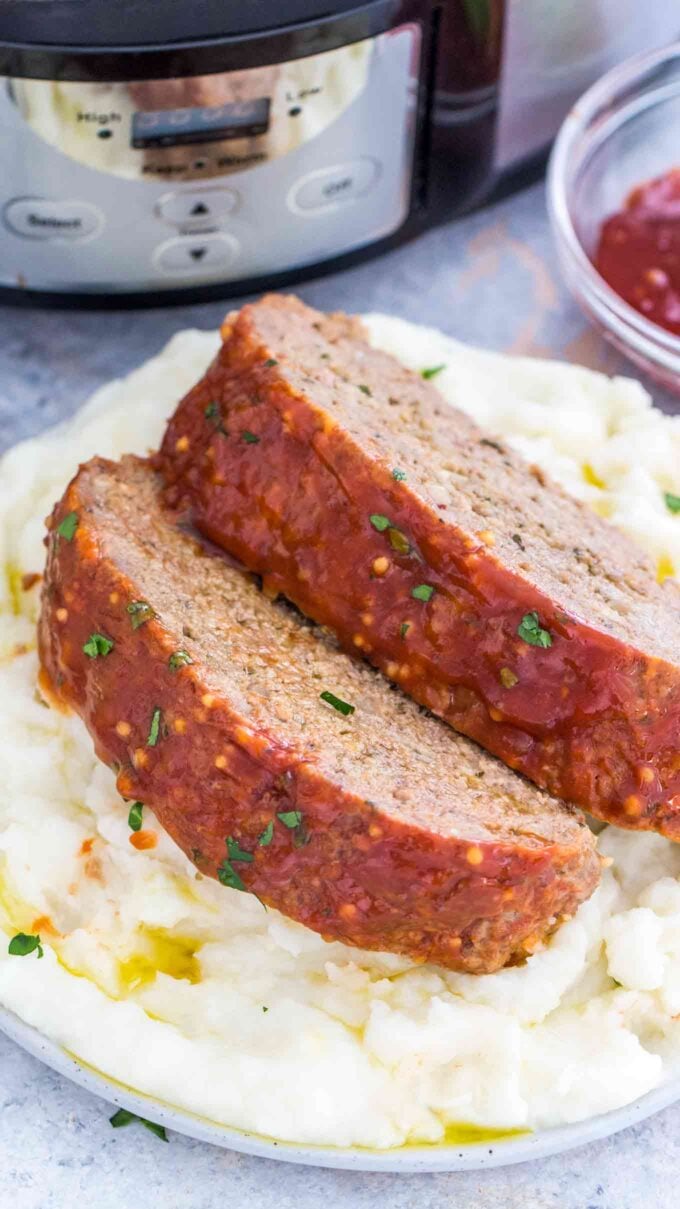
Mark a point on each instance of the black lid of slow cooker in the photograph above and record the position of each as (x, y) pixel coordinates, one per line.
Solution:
(108, 23)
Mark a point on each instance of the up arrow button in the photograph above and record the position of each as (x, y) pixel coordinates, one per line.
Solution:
(197, 210)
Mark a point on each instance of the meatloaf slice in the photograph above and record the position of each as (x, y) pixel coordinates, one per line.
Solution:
(280, 765)
(482, 589)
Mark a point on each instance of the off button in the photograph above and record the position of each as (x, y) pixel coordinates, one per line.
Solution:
(333, 186)
(37, 218)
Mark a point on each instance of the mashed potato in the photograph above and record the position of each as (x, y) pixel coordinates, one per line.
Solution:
(195, 994)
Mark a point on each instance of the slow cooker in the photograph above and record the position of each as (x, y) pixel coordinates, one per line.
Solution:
(155, 151)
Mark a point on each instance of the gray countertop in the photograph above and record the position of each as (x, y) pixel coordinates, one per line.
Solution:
(490, 279)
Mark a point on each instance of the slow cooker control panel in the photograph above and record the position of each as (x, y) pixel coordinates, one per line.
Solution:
(145, 185)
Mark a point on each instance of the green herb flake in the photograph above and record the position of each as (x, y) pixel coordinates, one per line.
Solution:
(135, 816)
(398, 475)
(342, 706)
(140, 612)
(399, 541)
(422, 592)
(236, 853)
(250, 438)
(291, 818)
(124, 1117)
(672, 501)
(98, 644)
(432, 371)
(404, 628)
(381, 523)
(267, 835)
(228, 876)
(530, 630)
(22, 945)
(179, 659)
(265, 1009)
(155, 728)
(270, 363)
(212, 413)
(366, 390)
(67, 527)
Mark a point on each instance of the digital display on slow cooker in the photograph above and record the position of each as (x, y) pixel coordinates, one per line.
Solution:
(171, 127)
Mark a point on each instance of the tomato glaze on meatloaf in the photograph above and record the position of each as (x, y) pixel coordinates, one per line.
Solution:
(280, 765)
(484, 590)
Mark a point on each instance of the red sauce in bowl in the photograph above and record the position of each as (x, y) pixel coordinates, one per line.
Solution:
(638, 253)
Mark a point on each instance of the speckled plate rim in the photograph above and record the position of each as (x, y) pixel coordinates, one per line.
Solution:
(409, 1160)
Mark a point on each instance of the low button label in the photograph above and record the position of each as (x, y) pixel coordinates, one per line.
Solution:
(332, 186)
(37, 218)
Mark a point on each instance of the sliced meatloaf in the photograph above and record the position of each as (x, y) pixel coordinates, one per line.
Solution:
(482, 589)
(280, 765)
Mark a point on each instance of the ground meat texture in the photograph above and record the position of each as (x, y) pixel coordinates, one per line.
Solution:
(482, 589)
(279, 764)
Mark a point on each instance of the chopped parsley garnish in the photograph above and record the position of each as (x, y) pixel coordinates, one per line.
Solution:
(236, 853)
(518, 540)
(507, 677)
(381, 523)
(179, 659)
(228, 876)
(22, 945)
(250, 438)
(135, 816)
(267, 835)
(155, 729)
(140, 611)
(422, 592)
(432, 371)
(404, 628)
(531, 631)
(212, 413)
(341, 706)
(366, 390)
(270, 363)
(68, 526)
(672, 501)
(399, 541)
(98, 644)
(398, 474)
(265, 1009)
(290, 818)
(124, 1117)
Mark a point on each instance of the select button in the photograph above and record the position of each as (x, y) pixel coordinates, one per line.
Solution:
(37, 218)
(333, 186)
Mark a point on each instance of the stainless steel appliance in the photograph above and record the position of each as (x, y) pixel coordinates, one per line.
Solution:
(213, 146)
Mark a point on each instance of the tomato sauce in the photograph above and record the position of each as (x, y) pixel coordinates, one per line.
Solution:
(638, 253)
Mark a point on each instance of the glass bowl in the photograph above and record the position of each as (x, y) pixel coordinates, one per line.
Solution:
(623, 131)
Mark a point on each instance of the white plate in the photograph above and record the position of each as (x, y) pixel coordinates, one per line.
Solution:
(408, 1160)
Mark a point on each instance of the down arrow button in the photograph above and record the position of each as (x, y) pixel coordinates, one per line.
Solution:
(187, 255)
